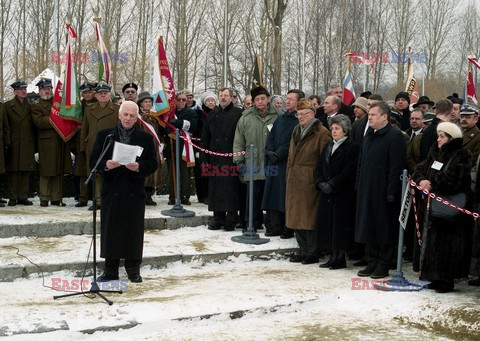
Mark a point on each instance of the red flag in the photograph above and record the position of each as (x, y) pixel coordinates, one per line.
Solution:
(471, 93)
(65, 128)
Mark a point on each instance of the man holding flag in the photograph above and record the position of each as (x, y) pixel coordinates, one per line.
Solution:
(54, 156)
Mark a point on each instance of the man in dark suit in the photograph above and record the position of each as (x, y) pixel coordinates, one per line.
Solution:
(360, 126)
(335, 90)
(443, 108)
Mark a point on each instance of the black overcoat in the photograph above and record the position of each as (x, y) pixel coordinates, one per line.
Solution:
(218, 133)
(381, 163)
(123, 197)
(448, 249)
(336, 211)
(278, 141)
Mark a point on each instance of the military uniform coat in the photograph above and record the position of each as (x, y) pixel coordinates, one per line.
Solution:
(50, 144)
(279, 142)
(4, 137)
(218, 133)
(81, 158)
(95, 119)
(471, 141)
(336, 211)
(22, 136)
(123, 197)
(301, 200)
(381, 163)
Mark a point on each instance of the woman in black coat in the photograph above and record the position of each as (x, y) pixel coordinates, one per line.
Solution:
(123, 195)
(335, 179)
(446, 171)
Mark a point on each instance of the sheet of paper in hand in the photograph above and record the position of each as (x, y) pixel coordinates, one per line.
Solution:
(125, 153)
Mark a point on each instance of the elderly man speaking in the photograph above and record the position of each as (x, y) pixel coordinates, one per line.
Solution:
(123, 195)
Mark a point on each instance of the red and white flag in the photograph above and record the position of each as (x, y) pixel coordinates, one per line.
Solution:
(104, 61)
(348, 89)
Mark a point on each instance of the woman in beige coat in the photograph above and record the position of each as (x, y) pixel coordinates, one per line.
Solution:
(308, 140)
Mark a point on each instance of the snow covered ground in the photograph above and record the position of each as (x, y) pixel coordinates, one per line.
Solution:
(241, 296)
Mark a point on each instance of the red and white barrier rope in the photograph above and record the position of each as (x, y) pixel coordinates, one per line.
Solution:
(440, 199)
(212, 152)
(417, 224)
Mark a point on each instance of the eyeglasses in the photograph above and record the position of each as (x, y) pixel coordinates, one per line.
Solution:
(130, 91)
(181, 99)
(299, 114)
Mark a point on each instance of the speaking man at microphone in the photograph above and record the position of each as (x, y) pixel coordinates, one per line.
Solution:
(123, 192)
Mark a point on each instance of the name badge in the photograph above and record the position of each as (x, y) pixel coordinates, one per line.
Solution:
(437, 165)
(140, 151)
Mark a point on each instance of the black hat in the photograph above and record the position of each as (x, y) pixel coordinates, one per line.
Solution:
(44, 83)
(87, 86)
(366, 94)
(259, 90)
(18, 85)
(424, 100)
(143, 96)
(455, 99)
(130, 85)
(103, 88)
(468, 110)
(404, 95)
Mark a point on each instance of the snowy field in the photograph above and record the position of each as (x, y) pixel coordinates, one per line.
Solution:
(238, 298)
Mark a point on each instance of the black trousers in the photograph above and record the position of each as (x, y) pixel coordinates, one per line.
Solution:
(201, 182)
(227, 219)
(380, 254)
(277, 221)
(258, 187)
(131, 266)
(308, 242)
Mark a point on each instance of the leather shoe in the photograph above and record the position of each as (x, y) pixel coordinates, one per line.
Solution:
(444, 287)
(12, 202)
(273, 233)
(240, 226)
(44, 203)
(150, 202)
(310, 260)
(135, 278)
(297, 258)
(80, 204)
(229, 228)
(91, 208)
(367, 271)
(105, 278)
(361, 262)
(328, 264)
(338, 264)
(215, 227)
(25, 202)
(58, 203)
(3, 201)
(474, 282)
(185, 201)
(286, 235)
(380, 272)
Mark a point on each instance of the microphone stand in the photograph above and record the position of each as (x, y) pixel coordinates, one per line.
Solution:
(95, 289)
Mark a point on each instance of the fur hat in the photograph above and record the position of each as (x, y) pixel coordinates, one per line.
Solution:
(451, 129)
(304, 103)
(259, 90)
(404, 95)
(208, 94)
(361, 102)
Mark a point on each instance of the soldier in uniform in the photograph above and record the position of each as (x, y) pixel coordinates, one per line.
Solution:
(100, 115)
(4, 147)
(22, 140)
(129, 91)
(52, 150)
(87, 91)
(471, 133)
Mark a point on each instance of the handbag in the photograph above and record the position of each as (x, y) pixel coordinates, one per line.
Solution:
(440, 210)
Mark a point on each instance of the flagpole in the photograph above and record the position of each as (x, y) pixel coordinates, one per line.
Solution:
(365, 41)
(225, 42)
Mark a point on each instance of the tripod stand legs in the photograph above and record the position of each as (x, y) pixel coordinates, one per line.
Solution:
(93, 290)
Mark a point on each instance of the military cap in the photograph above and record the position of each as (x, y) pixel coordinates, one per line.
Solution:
(44, 83)
(130, 85)
(87, 86)
(18, 85)
(468, 110)
(103, 88)
(429, 116)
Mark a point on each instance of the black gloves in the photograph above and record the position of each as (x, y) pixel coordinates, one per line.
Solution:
(325, 187)
(273, 157)
(176, 123)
